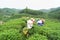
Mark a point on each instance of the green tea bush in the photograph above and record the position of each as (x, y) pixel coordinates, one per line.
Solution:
(54, 35)
(14, 24)
(37, 37)
(11, 34)
(13, 30)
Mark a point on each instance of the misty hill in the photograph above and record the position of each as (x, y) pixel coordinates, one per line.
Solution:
(55, 13)
(9, 13)
(44, 10)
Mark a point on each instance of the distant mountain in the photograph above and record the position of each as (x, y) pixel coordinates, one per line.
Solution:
(51, 10)
(44, 10)
(6, 13)
(55, 10)
(54, 13)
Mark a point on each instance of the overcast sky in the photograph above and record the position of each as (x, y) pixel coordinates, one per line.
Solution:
(32, 4)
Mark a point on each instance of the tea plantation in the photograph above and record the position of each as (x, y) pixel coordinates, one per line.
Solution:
(12, 30)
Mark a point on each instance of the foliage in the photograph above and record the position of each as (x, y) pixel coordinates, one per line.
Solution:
(54, 13)
(37, 37)
(12, 29)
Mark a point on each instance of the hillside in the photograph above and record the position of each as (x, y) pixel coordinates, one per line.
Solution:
(9, 13)
(13, 21)
(12, 30)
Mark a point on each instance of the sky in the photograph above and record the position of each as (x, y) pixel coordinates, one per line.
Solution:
(32, 4)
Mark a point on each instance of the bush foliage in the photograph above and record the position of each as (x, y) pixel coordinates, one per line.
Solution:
(13, 30)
